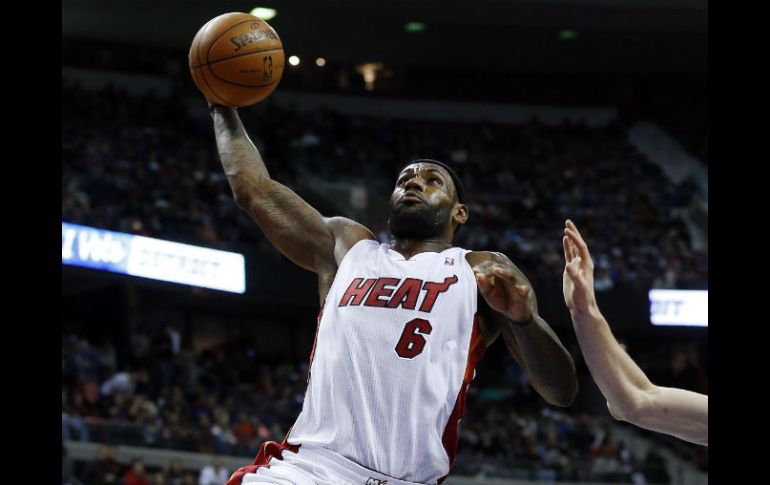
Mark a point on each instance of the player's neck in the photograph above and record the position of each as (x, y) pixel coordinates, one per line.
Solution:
(410, 247)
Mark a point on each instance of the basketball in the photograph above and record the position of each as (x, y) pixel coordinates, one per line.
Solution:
(236, 59)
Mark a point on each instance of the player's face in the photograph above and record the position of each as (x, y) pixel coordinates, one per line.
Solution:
(422, 201)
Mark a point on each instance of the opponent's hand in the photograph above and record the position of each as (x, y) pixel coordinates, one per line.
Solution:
(578, 279)
(505, 289)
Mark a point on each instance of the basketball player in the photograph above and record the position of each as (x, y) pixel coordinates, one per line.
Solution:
(400, 330)
(630, 394)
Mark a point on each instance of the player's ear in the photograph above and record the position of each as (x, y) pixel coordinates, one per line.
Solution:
(460, 213)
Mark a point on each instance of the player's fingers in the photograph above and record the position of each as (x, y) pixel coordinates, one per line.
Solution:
(485, 280)
(510, 280)
(504, 272)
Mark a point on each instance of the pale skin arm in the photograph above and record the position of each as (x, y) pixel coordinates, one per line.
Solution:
(296, 229)
(531, 341)
(630, 394)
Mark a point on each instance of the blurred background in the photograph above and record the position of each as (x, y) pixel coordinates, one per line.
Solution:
(596, 110)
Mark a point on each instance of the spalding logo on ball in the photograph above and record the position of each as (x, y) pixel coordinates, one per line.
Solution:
(236, 59)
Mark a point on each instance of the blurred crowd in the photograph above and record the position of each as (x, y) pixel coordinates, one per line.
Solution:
(144, 165)
(155, 390)
(106, 469)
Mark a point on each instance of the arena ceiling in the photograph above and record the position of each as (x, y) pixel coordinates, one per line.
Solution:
(640, 36)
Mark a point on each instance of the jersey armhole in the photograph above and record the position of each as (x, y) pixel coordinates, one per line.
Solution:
(356, 247)
(469, 268)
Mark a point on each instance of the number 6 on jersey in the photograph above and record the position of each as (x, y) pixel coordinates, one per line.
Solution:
(412, 342)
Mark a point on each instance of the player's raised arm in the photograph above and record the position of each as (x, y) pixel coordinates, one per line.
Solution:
(294, 227)
(527, 335)
(630, 394)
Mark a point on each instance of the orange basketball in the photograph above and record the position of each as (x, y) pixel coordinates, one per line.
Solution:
(236, 59)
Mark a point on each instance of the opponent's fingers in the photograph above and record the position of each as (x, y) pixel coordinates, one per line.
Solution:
(580, 246)
(567, 252)
(581, 242)
(573, 250)
(573, 237)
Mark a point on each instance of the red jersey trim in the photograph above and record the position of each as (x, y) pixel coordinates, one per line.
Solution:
(268, 451)
(450, 438)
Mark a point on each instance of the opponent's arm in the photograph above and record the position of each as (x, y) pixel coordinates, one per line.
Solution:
(527, 335)
(298, 230)
(630, 394)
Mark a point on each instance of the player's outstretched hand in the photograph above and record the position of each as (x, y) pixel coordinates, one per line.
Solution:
(578, 279)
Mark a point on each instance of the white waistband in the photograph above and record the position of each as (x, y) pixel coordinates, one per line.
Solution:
(350, 471)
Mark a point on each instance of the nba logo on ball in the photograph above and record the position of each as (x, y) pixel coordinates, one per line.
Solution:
(267, 68)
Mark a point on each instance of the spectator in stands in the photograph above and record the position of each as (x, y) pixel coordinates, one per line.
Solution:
(67, 477)
(175, 473)
(104, 470)
(71, 421)
(166, 346)
(224, 439)
(654, 468)
(136, 474)
(159, 478)
(213, 474)
(604, 465)
(245, 434)
(124, 382)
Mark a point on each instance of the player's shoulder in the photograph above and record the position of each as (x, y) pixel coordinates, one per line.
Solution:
(348, 229)
(347, 233)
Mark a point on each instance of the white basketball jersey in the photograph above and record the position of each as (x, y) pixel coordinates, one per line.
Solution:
(395, 349)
